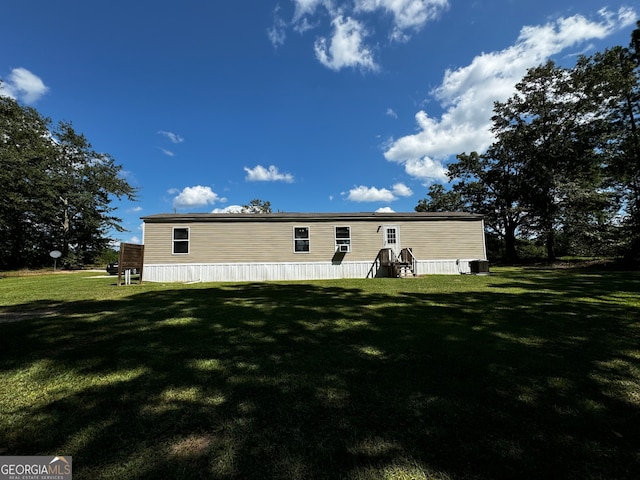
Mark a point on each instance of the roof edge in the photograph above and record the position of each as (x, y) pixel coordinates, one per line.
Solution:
(279, 216)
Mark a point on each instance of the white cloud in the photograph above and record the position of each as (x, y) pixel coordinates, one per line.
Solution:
(168, 153)
(407, 14)
(401, 190)
(391, 113)
(277, 35)
(373, 194)
(236, 209)
(24, 86)
(346, 47)
(304, 25)
(278, 32)
(467, 94)
(308, 7)
(135, 239)
(261, 174)
(426, 169)
(197, 196)
(385, 210)
(173, 137)
(135, 209)
(229, 209)
(370, 194)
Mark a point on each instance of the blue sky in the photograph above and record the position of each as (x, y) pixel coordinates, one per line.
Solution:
(313, 105)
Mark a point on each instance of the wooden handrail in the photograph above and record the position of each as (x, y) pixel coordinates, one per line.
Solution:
(380, 260)
(373, 265)
(407, 256)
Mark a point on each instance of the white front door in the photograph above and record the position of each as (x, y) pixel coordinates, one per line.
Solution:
(392, 238)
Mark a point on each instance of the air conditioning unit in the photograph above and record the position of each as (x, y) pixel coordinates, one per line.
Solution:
(344, 248)
(479, 267)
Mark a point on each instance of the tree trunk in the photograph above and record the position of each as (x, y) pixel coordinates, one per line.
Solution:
(511, 254)
(65, 227)
(550, 243)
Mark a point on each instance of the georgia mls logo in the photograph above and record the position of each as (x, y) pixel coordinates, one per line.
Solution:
(36, 468)
(63, 463)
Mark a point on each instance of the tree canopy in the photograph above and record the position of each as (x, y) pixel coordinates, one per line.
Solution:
(257, 206)
(55, 191)
(565, 162)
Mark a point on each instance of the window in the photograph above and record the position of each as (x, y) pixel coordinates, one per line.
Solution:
(343, 239)
(392, 236)
(180, 240)
(301, 239)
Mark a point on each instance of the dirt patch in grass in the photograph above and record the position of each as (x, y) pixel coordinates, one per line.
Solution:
(193, 445)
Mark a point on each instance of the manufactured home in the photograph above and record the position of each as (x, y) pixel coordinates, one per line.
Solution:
(307, 246)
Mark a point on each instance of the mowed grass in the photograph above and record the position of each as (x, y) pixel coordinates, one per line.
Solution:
(526, 373)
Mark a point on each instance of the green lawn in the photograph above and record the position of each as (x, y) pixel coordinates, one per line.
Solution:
(526, 373)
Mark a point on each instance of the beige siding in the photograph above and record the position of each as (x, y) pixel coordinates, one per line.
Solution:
(272, 241)
(444, 239)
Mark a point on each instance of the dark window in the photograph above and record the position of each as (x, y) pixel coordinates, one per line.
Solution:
(180, 240)
(301, 239)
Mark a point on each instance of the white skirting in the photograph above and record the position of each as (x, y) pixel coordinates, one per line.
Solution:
(259, 272)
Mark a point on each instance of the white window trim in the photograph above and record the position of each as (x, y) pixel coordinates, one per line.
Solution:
(308, 239)
(173, 240)
(341, 241)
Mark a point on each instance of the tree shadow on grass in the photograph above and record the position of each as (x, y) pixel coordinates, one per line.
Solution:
(309, 381)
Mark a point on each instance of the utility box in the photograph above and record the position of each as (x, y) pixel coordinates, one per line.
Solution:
(479, 267)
